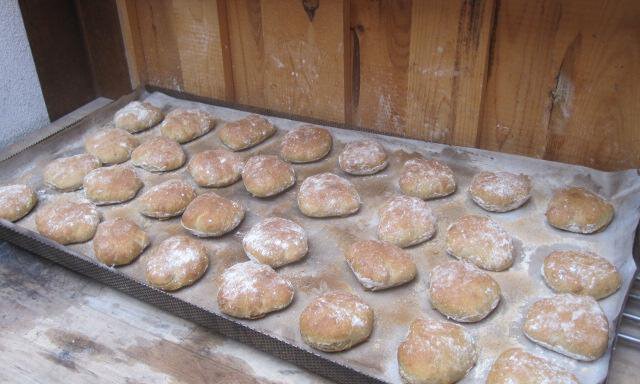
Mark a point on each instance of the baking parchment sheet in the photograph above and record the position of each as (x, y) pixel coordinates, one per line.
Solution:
(325, 268)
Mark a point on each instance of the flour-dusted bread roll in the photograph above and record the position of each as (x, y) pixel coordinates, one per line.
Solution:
(251, 290)
(327, 195)
(436, 352)
(119, 241)
(516, 366)
(67, 222)
(336, 321)
(67, 173)
(158, 154)
(580, 273)
(363, 157)
(246, 132)
(305, 144)
(481, 241)
(378, 265)
(177, 262)
(16, 201)
(137, 116)
(500, 191)
(276, 242)
(576, 209)
(426, 179)
(211, 215)
(267, 175)
(111, 185)
(215, 168)
(406, 221)
(111, 146)
(167, 199)
(184, 125)
(571, 325)
(462, 292)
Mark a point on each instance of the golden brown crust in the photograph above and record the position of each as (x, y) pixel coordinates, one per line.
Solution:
(119, 241)
(177, 262)
(111, 146)
(212, 215)
(363, 157)
(184, 125)
(515, 366)
(67, 173)
(378, 265)
(111, 185)
(167, 199)
(426, 179)
(67, 222)
(246, 132)
(327, 195)
(158, 154)
(276, 242)
(576, 209)
(137, 116)
(305, 144)
(16, 201)
(406, 221)
(215, 168)
(267, 175)
(500, 191)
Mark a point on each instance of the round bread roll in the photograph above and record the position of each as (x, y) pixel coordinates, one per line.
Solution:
(327, 195)
(184, 125)
(406, 221)
(211, 215)
(574, 326)
(276, 242)
(67, 173)
(462, 292)
(250, 290)
(436, 352)
(578, 210)
(215, 168)
(119, 241)
(336, 321)
(500, 191)
(177, 262)
(111, 146)
(137, 116)
(305, 144)
(378, 265)
(426, 179)
(167, 199)
(67, 222)
(363, 157)
(267, 175)
(111, 185)
(580, 273)
(481, 241)
(16, 201)
(515, 366)
(158, 154)
(246, 133)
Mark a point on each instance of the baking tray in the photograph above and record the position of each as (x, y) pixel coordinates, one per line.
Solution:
(325, 268)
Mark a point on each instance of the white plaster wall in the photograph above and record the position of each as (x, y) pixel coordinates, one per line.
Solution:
(22, 107)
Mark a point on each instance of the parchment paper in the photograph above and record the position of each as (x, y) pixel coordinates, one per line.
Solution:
(325, 269)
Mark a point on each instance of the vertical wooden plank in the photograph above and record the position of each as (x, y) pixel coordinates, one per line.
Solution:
(131, 39)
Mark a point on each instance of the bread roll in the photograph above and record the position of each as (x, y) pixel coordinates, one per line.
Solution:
(580, 273)
(336, 321)
(481, 241)
(212, 215)
(184, 125)
(246, 132)
(137, 116)
(378, 265)
(462, 292)
(16, 201)
(363, 157)
(436, 352)
(276, 242)
(574, 326)
(305, 144)
(267, 175)
(250, 290)
(500, 191)
(167, 199)
(119, 241)
(406, 221)
(177, 262)
(327, 195)
(426, 179)
(158, 154)
(67, 222)
(67, 173)
(515, 366)
(215, 168)
(111, 185)
(111, 146)
(576, 209)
